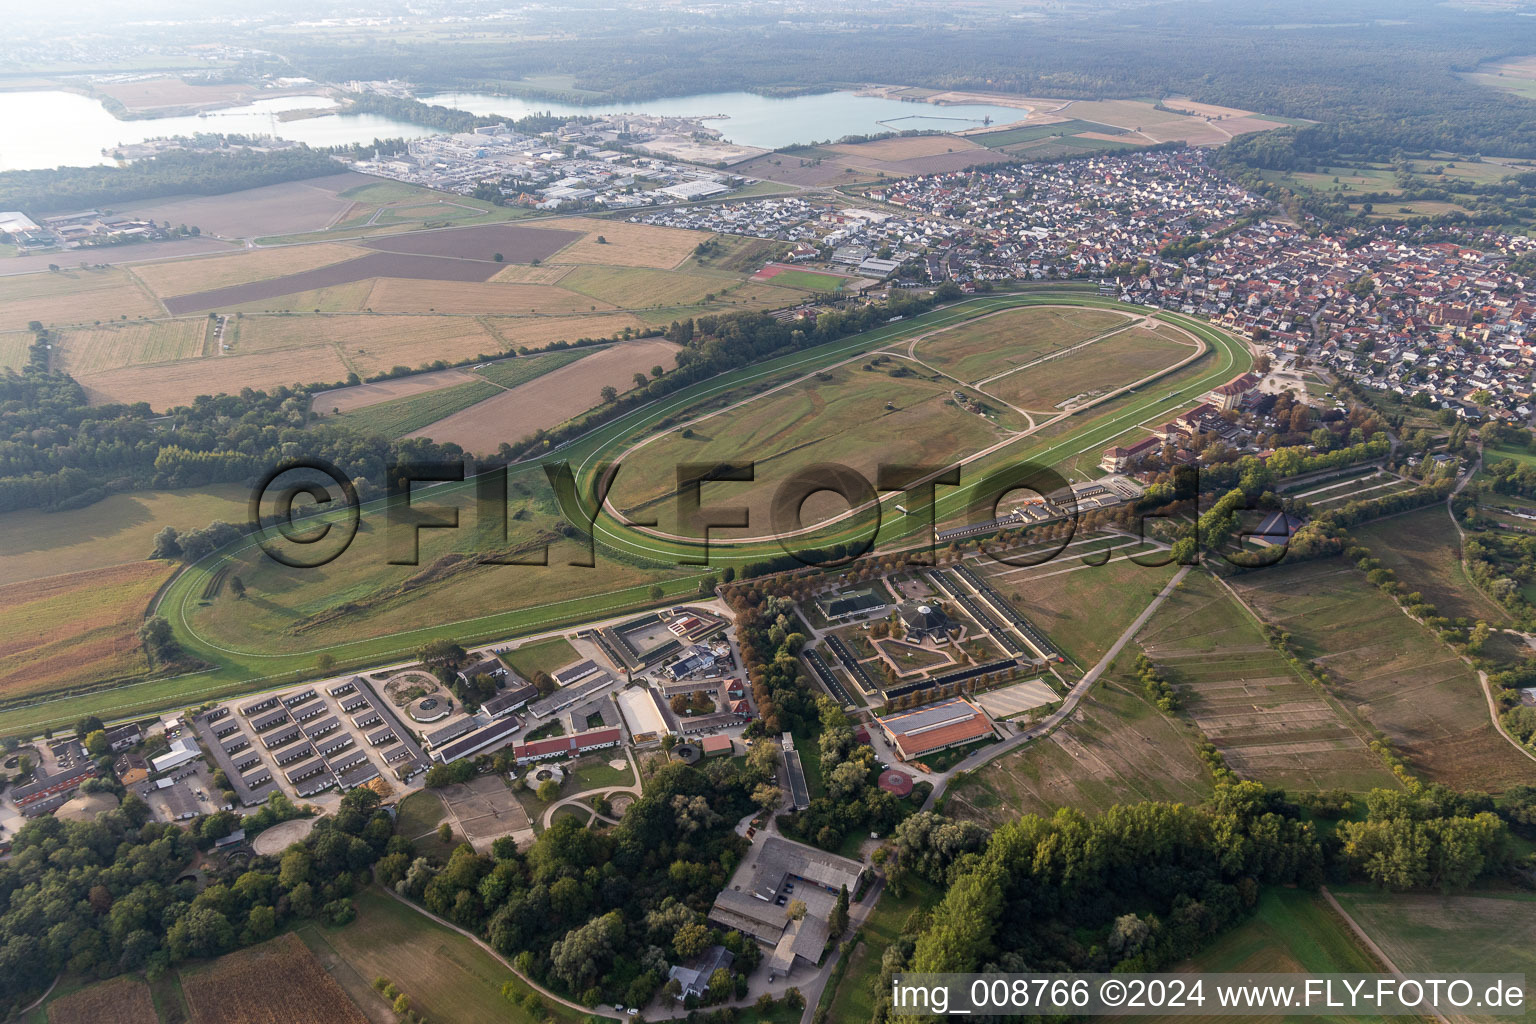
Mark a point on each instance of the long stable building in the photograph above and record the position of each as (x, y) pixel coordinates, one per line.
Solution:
(936, 727)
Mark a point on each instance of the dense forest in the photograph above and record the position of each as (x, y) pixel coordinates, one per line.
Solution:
(179, 172)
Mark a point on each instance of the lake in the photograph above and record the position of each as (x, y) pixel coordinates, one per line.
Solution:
(768, 122)
(52, 128)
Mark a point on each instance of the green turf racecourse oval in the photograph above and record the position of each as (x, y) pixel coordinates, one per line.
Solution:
(235, 667)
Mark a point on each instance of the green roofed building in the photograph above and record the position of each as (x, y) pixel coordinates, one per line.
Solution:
(850, 602)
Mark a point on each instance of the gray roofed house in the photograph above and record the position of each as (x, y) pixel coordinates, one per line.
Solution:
(695, 978)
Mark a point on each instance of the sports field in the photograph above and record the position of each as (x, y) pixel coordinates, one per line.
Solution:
(859, 417)
(990, 345)
(75, 630)
(785, 276)
(1268, 721)
(1391, 671)
(1101, 367)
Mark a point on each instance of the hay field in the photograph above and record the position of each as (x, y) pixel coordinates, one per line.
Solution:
(277, 982)
(75, 629)
(628, 245)
(373, 342)
(521, 273)
(111, 346)
(629, 287)
(401, 295)
(15, 349)
(307, 205)
(73, 297)
(537, 332)
(850, 415)
(550, 400)
(1268, 721)
(1098, 369)
(205, 273)
(119, 528)
(123, 1000)
(1391, 671)
(1423, 549)
(164, 387)
(991, 344)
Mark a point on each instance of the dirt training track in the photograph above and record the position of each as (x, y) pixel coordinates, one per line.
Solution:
(465, 254)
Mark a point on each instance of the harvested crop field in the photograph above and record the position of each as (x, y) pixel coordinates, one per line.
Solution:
(519, 273)
(138, 253)
(516, 243)
(538, 331)
(177, 383)
(186, 277)
(306, 205)
(363, 268)
(369, 338)
(340, 298)
(417, 296)
(1391, 670)
(551, 399)
(361, 396)
(627, 245)
(75, 629)
(73, 297)
(93, 349)
(277, 982)
(120, 1001)
(15, 349)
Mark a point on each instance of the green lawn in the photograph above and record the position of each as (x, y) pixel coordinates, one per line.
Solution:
(807, 279)
(852, 998)
(448, 977)
(544, 656)
(597, 773)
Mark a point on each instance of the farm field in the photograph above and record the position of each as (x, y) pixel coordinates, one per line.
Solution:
(630, 287)
(908, 148)
(1391, 670)
(858, 417)
(1423, 549)
(1424, 932)
(15, 349)
(177, 93)
(76, 629)
(551, 400)
(73, 296)
(305, 205)
(394, 392)
(1034, 132)
(1102, 367)
(370, 343)
(448, 977)
(113, 346)
(992, 344)
(1268, 721)
(625, 245)
(1117, 749)
(509, 373)
(119, 528)
(137, 254)
(408, 295)
(277, 982)
(124, 1000)
(203, 273)
(172, 384)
